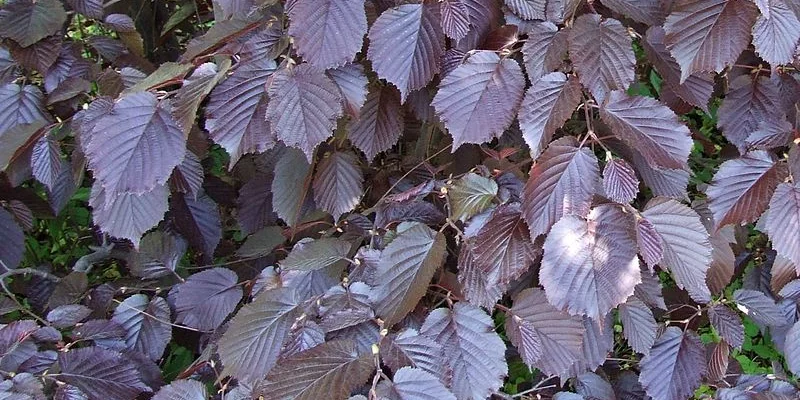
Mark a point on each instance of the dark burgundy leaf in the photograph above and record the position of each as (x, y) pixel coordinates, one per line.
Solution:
(20, 105)
(723, 263)
(783, 276)
(128, 215)
(455, 19)
(619, 181)
(478, 287)
(379, 123)
(236, 110)
(68, 315)
(89, 8)
(475, 353)
(748, 102)
(674, 366)
(561, 182)
(792, 350)
(470, 195)
(409, 32)
(409, 349)
(783, 220)
(503, 247)
(12, 241)
(479, 99)
(8, 67)
(638, 324)
(544, 50)
(255, 204)
(597, 343)
(718, 361)
(728, 324)
(183, 390)
(219, 34)
(547, 338)
(548, 103)
(101, 373)
(708, 35)
(648, 12)
(650, 290)
(592, 386)
(252, 343)
(602, 53)
(776, 33)
(303, 108)
(758, 306)
(328, 33)
(352, 85)
(158, 255)
(46, 161)
(206, 298)
(290, 186)
(198, 221)
(27, 21)
(338, 183)
(98, 329)
(770, 134)
(120, 23)
(413, 384)
(194, 90)
(310, 255)
(188, 176)
(550, 10)
(302, 338)
(40, 55)
(146, 323)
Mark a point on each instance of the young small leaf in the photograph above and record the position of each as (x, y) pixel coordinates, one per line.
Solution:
(470, 195)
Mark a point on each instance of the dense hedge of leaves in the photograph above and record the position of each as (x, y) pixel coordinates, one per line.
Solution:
(385, 199)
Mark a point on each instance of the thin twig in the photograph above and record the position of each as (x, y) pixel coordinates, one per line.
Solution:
(22, 271)
(539, 386)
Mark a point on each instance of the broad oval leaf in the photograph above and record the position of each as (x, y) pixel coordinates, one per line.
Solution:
(783, 221)
(592, 386)
(198, 220)
(380, 122)
(12, 241)
(649, 126)
(206, 298)
(549, 10)
(455, 19)
(352, 85)
(742, 188)
(708, 35)
(20, 105)
(290, 186)
(413, 384)
(128, 215)
(406, 267)
(68, 315)
(255, 203)
(547, 338)
(338, 183)
(182, 389)
(410, 349)
(687, 250)
(470, 195)
(792, 348)
(328, 33)
(602, 53)
(303, 106)
(561, 182)
(673, 369)
(548, 103)
(760, 307)
(545, 48)
(638, 325)
(101, 373)
(146, 323)
(619, 181)
(727, 323)
(475, 352)
(479, 99)
(135, 147)
(776, 33)
(28, 21)
(503, 247)
(406, 45)
(158, 255)
(749, 101)
(316, 254)
(648, 12)
(46, 161)
(194, 90)
(590, 266)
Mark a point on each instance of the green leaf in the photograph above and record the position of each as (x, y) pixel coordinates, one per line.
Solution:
(471, 195)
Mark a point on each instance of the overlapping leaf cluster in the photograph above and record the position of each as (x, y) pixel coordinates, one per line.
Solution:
(401, 199)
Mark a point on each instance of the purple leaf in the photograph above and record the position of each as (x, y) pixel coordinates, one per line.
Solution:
(478, 287)
(792, 348)
(742, 188)
(548, 103)
(290, 187)
(135, 147)
(352, 85)
(770, 134)
(255, 204)
(146, 323)
(619, 181)
(479, 99)
(101, 373)
(20, 105)
(603, 54)
(638, 325)
(46, 161)
(198, 221)
(379, 123)
(182, 390)
(303, 108)
(475, 352)
(158, 255)
(410, 349)
(128, 215)
(27, 21)
(261, 243)
(547, 338)
(455, 19)
(120, 22)
(89, 8)
(708, 35)
(414, 384)
(760, 307)
(647, 12)
(776, 33)
(40, 55)
(723, 263)
(236, 110)
(503, 247)
(545, 49)
(592, 386)
(410, 32)
(194, 90)
(674, 366)
(548, 10)
(12, 242)
(206, 298)
(338, 184)
(310, 255)
(188, 176)
(727, 323)
(328, 33)
(783, 221)
(597, 343)
(68, 315)
(561, 182)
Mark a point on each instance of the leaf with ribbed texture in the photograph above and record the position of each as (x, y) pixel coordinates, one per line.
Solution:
(406, 267)
(561, 182)
(46, 161)
(619, 181)
(206, 298)
(602, 53)
(548, 103)
(783, 221)
(146, 323)
(549, 10)
(741, 189)
(220, 33)
(316, 254)
(649, 126)
(330, 370)
(479, 99)
(101, 373)
(135, 147)
(182, 389)
(413, 384)
(770, 134)
(673, 369)
(328, 33)
(598, 341)
(455, 19)
(12, 241)
(748, 102)
(159, 254)
(128, 215)
(352, 85)
(478, 287)
(695, 90)
(410, 349)
(380, 122)
(592, 386)
(289, 191)
(198, 220)
(20, 105)
(68, 315)
(261, 243)
(194, 90)
(503, 247)
(792, 349)
(252, 343)
(708, 35)
(783, 276)
(89, 8)
(645, 11)
(590, 265)
(638, 325)
(718, 361)
(475, 352)
(760, 307)
(776, 33)
(727, 323)
(687, 250)
(544, 50)
(255, 204)
(547, 338)
(236, 110)
(723, 263)
(303, 107)
(27, 21)
(406, 45)
(338, 183)
(470, 195)
(40, 55)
